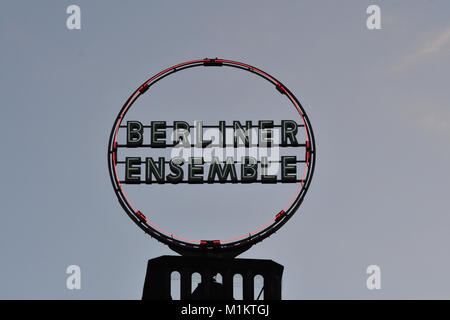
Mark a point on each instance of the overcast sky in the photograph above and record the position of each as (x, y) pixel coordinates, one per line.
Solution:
(378, 101)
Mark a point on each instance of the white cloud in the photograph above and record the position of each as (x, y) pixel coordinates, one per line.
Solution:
(428, 48)
(431, 116)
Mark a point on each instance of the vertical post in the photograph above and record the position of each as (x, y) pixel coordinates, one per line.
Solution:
(185, 285)
(247, 282)
(268, 292)
(166, 284)
(276, 287)
(157, 283)
(206, 280)
(272, 287)
(227, 279)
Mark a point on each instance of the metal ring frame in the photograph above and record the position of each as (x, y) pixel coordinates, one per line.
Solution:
(229, 247)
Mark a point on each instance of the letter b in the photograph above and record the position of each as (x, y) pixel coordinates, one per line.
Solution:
(135, 132)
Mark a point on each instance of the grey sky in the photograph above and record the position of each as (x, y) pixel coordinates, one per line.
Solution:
(377, 100)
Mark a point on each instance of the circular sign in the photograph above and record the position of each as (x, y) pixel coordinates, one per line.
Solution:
(225, 174)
